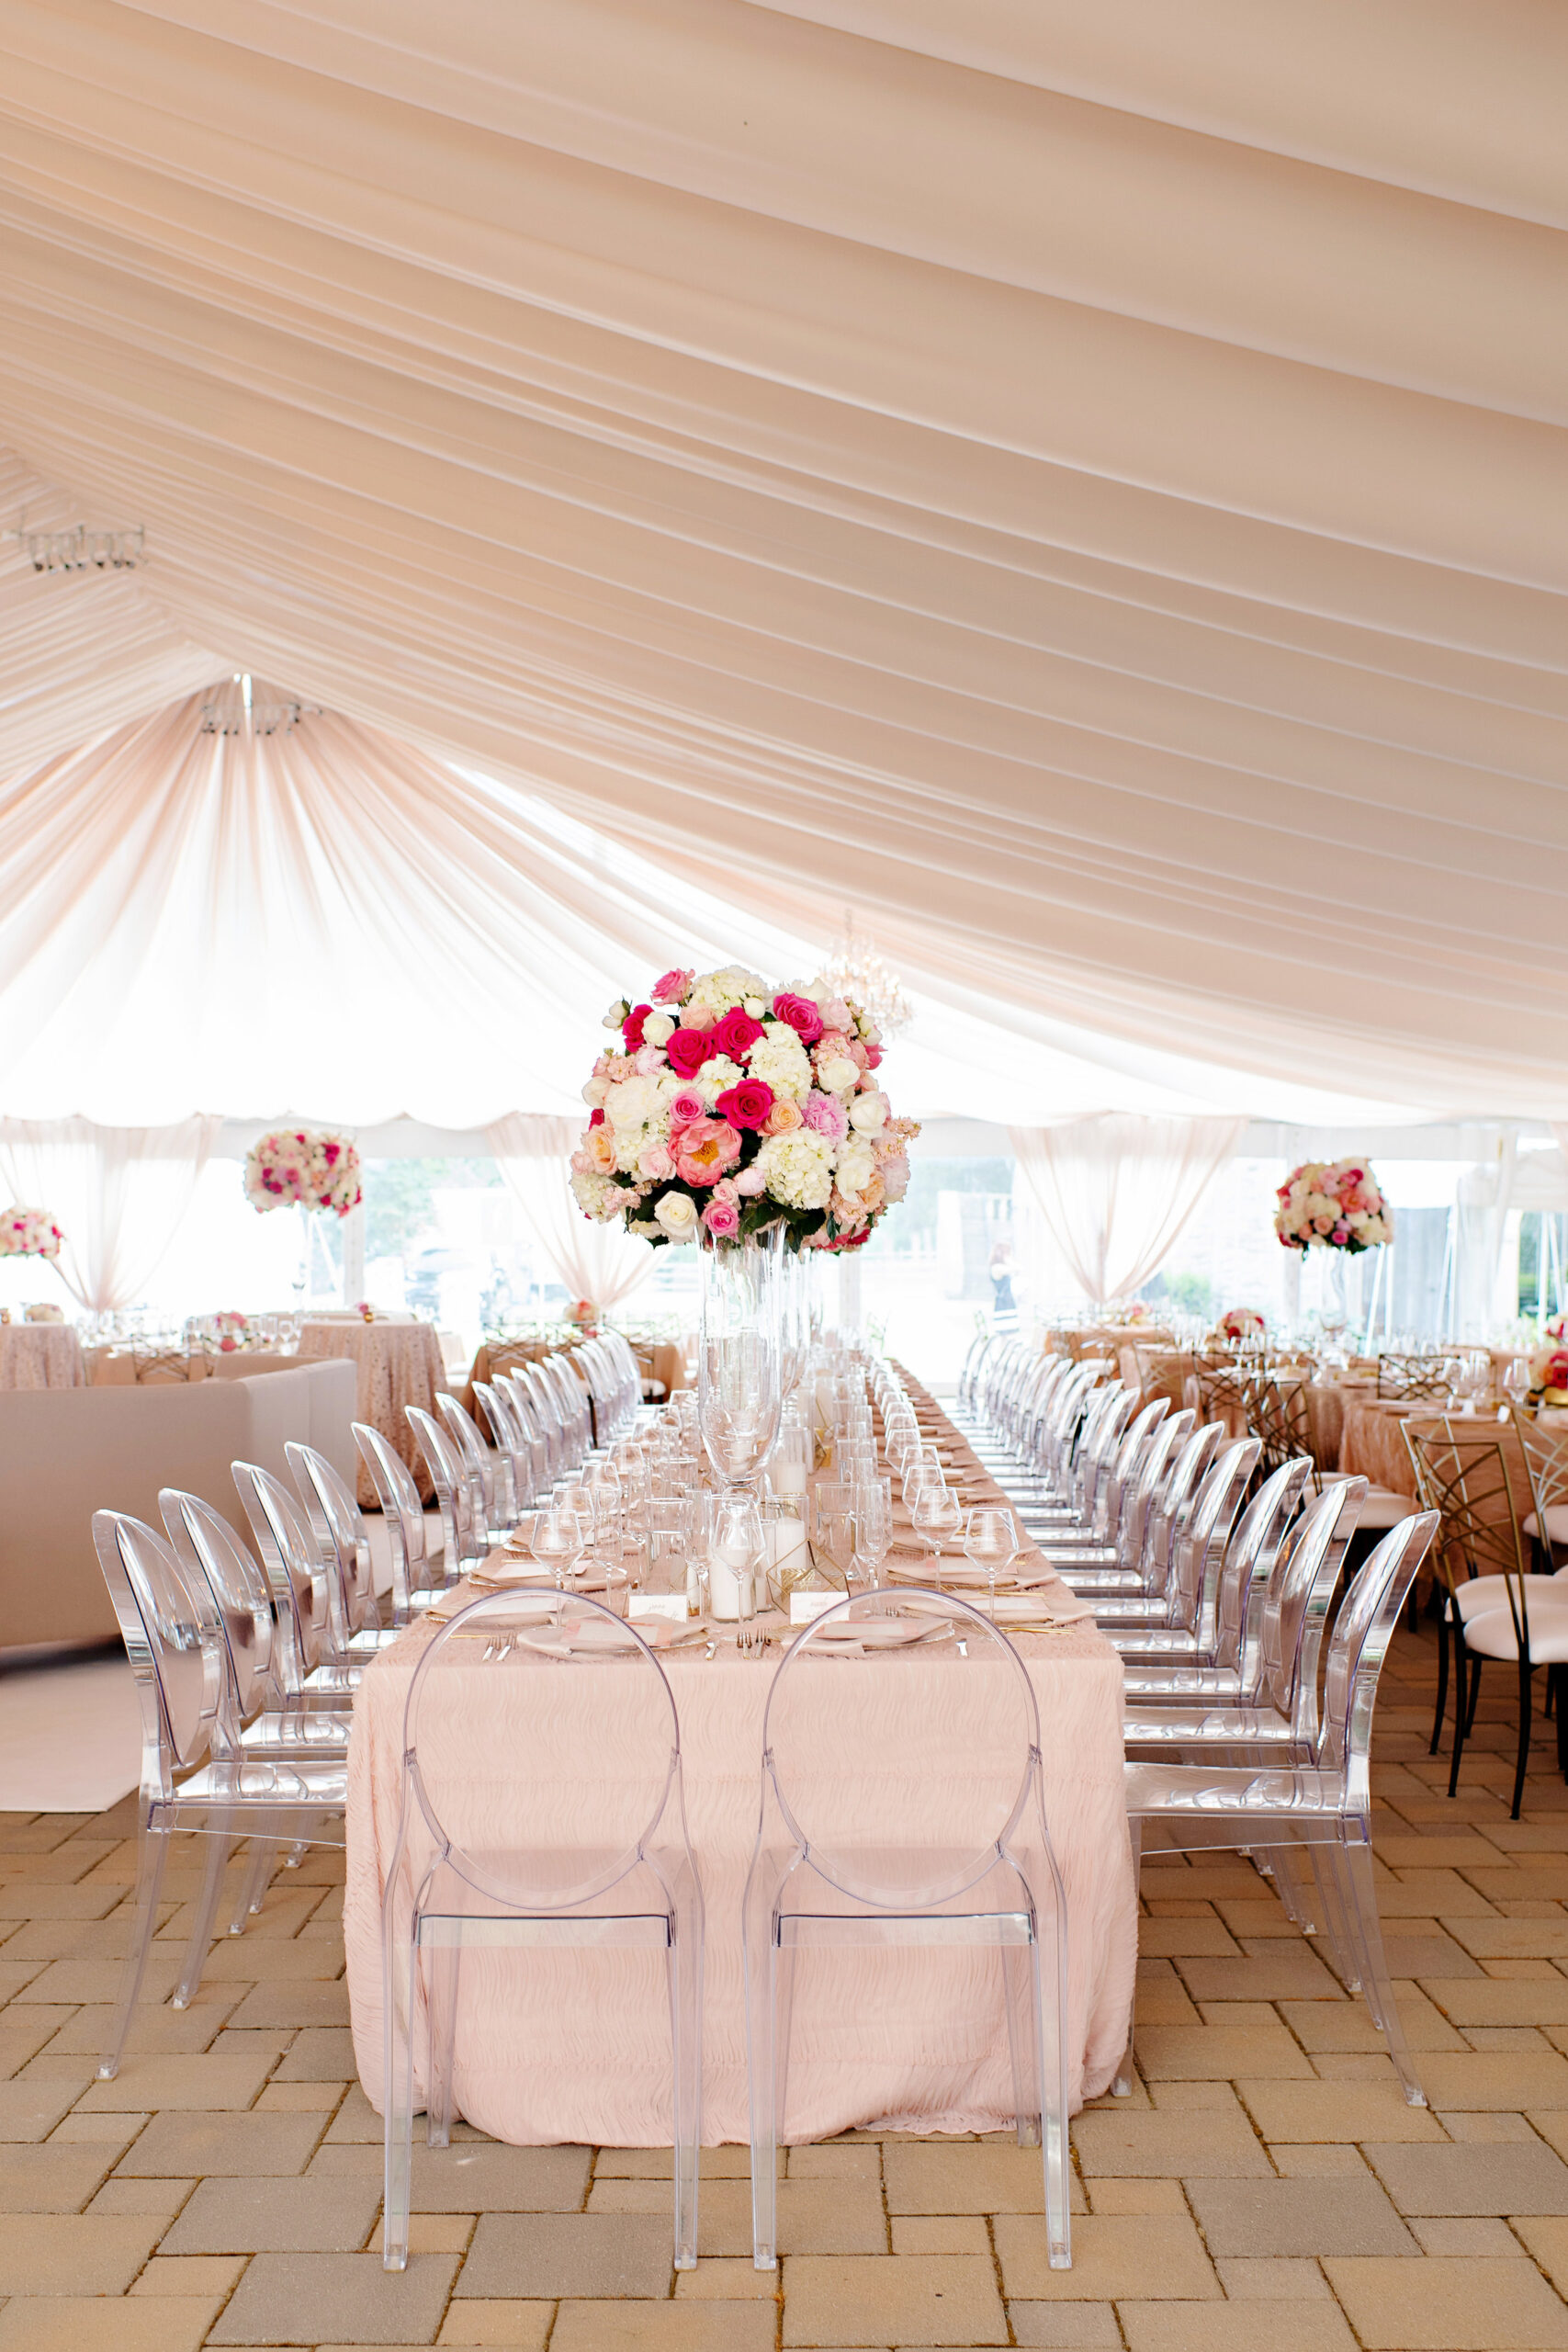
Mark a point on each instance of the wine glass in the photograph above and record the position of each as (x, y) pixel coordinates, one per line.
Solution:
(990, 1542)
(1516, 1380)
(871, 1527)
(557, 1542)
(937, 1516)
(832, 1527)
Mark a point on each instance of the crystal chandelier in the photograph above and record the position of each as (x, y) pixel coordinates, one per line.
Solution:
(245, 706)
(855, 970)
(83, 550)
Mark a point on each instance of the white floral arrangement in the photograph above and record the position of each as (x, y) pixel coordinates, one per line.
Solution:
(306, 1166)
(727, 1107)
(1333, 1204)
(28, 1233)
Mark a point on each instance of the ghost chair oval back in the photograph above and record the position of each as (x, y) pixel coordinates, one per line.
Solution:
(1322, 1807)
(490, 1473)
(417, 1576)
(196, 1773)
(283, 1537)
(341, 1536)
(510, 1442)
(465, 1532)
(532, 1431)
(1181, 1625)
(922, 1857)
(1494, 1608)
(612, 1869)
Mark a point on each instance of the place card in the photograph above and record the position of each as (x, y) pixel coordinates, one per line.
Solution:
(804, 1607)
(669, 1606)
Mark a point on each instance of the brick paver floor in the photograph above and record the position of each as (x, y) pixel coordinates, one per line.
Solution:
(1265, 2185)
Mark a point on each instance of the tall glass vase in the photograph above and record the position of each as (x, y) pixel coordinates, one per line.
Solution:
(738, 1355)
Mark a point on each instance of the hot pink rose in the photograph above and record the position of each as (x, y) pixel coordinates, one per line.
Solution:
(736, 1033)
(705, 1151)
(596, 1117)
(873, 1057)
(800, 1015)
(827, 1115)
(672, 985)
(631, 1027)
(721, 1219)
(686, 1106)
(688, 1049)
(745, 1103)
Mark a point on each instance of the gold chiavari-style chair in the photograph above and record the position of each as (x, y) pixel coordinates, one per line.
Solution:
(1545, 1449)
(1494, 1607)
(1275, 1408)
(1416, 1379)
(152, 1363)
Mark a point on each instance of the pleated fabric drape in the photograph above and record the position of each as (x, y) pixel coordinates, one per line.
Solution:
(599, 1262)
(1117, 1192)
(1087, 484)
(119, 1195)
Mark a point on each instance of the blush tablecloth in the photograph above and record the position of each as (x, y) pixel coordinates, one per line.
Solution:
(576, 2046)
(398, 1364)
(41, 1355)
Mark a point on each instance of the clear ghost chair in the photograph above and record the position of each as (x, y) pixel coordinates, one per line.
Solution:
(1186, 1604)
(341, 1537)
(541, 1416)
(534, 1432)
(1128, 1567)
(943, 1861)
(612, 1869)
(191, 1710)
(1262, 1532)
(491, 1471)
(464, 1529)
(510, 1441)
(1320, 1810)
(282, 1536)
(1121, 1500)
(1169, 1515)
(1268, 1696)
(417, 1576)
(1115, 1472)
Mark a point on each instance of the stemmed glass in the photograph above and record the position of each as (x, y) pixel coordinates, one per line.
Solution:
(871, 1527)
(990, 1541)
(558, 1542)
(937, 1516)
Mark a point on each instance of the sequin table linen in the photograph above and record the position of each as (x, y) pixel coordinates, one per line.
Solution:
(398, 1364)
(41, 1355)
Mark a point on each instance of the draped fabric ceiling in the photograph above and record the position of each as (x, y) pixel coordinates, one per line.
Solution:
(1085, 484)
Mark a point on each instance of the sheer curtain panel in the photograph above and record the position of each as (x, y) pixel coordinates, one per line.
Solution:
(117, 1193)
(1116, 1189)
(595, 1261)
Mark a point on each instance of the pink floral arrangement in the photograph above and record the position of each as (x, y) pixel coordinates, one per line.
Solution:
(727, 1106)
(1240, 1323)
(1549, 1371)
(28, 1233)
(303, 1165)
(1333, 1204)
(232, 1328)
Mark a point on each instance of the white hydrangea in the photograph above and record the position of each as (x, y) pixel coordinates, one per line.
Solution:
(781, 1061)
(597, 1196)
(715, 992)
(714, 1077)
(797, 1168)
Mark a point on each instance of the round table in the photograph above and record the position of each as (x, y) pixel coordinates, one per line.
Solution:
(398, 1364)
(41, 1355)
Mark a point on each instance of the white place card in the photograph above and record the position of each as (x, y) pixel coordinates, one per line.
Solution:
(805, 1606)
(669, 1606)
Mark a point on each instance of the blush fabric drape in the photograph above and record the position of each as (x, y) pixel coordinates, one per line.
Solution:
(119, 1195)
(1087, 485)
(1117, 1192)
(599, 1262)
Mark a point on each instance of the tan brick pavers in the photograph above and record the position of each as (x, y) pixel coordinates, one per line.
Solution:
(1265, 2185)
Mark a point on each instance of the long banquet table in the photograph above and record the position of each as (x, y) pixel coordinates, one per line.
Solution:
(576, 2046)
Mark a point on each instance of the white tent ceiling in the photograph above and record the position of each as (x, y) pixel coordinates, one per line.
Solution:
(1086, 484)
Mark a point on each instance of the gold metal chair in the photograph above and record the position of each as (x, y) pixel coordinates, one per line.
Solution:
(1494, 1608)
(1545, 1450)
(1415, 1379)
(153, 1364)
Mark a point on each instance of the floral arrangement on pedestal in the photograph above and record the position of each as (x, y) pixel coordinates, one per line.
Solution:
(233, 1329)
(1240, 1323)
(1548, 1370)
(28, 1233)
(1333, 1204)
(304, 1167)
(584, 1314)
(728, 1106)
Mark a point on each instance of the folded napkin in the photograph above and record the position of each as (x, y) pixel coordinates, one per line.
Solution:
(589, 1578)
(881, 1632)
(952, 1569)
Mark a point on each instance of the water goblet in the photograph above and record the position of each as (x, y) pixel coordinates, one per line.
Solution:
(990, 1542)
(558, 1542)
(937, 1516)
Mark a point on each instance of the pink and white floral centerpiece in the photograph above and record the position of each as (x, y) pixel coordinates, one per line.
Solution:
(1240, 1323)
(233, 1329)
(28, 1233)
(303, 1166)
(727, 1107)
(1333, 1204)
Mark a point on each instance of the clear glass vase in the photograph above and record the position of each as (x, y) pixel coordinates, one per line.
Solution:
(738, 1355)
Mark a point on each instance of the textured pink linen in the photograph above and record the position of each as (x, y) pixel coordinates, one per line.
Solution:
(576, 2047)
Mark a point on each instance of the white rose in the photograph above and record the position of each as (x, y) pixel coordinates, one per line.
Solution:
(755, 1006)
(618, 1013)
(857, 1165)
(868, 1113)
(838, 1075)
(594, 1093)
(677, 1213)
(657, 1029)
